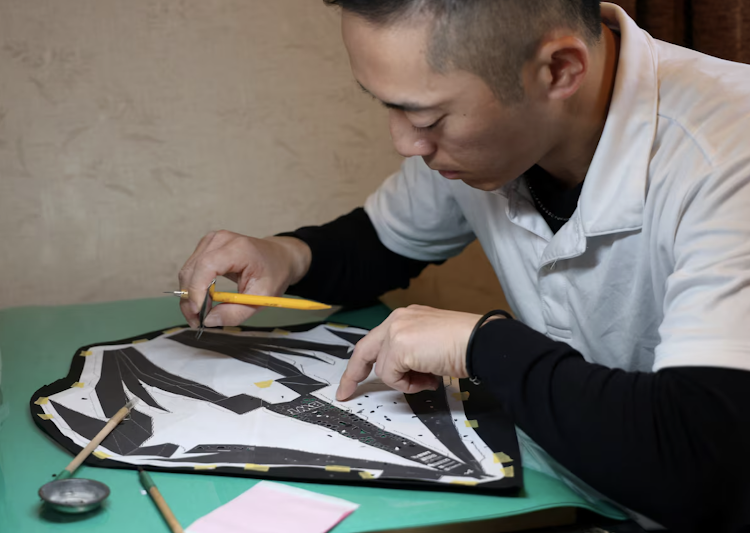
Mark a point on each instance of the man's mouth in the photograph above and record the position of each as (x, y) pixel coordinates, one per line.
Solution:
(450, 174)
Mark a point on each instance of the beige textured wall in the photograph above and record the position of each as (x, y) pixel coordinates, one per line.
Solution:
(130, 129)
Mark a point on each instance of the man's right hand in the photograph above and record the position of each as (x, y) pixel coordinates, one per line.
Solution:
(266, 267)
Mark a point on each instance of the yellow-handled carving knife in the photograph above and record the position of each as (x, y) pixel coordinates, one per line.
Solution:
(248, 299)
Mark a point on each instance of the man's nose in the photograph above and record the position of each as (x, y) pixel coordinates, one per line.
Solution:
(408, 141)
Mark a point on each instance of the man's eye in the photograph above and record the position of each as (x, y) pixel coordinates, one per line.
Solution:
(426, 128)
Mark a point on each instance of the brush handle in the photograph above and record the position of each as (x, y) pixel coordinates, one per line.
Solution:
(96, 441)
(165, 511)
(65, 474)
(159, 500)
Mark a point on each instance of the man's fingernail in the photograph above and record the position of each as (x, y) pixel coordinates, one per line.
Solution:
(213, 321)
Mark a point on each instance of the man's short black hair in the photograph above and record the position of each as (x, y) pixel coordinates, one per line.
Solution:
(490, 38)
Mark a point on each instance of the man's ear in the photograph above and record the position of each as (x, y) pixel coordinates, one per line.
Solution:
(560, 66)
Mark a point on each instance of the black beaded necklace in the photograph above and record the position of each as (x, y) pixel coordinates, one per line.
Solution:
(554, 201)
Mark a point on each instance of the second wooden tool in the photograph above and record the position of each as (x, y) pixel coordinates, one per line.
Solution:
(159, 500)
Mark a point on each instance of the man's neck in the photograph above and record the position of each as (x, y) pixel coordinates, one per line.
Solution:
(587, 111)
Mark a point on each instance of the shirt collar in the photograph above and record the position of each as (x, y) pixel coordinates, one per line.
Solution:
(614, 192)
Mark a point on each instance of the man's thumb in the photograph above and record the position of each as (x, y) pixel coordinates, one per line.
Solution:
(229, 315)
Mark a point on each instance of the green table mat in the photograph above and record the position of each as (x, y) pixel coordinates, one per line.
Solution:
(36, 347)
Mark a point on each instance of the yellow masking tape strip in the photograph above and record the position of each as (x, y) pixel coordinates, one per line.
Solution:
(501, 457)
(366, 475)
(204, 467)
(77, 384)
(278, 331)
(45, 416)
(337, 326)
(461, 396)
(257, 468)
(264, 384)
(42, 400)
(467, 483)
(471, 423)
(139, 341)
(334, 468)
(234, 329)
(101, 455)
(509, 471)
(173, 330)
(86, 353)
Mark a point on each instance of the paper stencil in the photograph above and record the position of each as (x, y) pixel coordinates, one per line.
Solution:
(262, 403)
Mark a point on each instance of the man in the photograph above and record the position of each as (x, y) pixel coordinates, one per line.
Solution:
(607, 176)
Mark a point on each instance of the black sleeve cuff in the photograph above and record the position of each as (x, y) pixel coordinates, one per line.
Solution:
(503, 351)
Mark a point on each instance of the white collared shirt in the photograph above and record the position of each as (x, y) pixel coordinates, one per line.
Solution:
(653, 269)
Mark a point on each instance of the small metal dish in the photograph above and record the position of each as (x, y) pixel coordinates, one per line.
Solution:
(73, 495)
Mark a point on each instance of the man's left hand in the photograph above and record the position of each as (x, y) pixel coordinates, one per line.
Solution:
(411, 350)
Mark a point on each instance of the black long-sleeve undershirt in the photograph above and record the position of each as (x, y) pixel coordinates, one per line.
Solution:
(350, 266)
(671, 445)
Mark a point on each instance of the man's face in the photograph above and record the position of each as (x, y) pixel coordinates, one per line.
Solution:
(452, 120)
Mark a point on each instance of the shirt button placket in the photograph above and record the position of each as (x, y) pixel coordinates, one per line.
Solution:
(553, 291)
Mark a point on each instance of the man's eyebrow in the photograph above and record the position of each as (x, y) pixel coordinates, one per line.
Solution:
(405, 106)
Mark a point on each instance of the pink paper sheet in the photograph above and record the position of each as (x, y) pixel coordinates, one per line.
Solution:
(275, 508)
